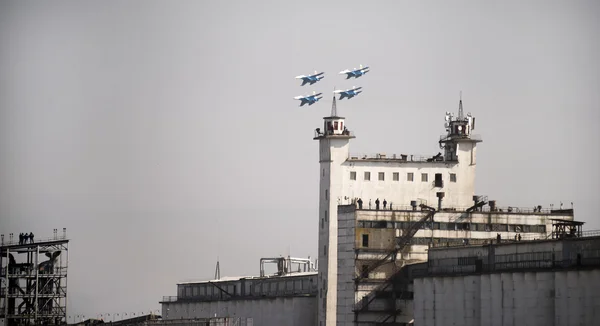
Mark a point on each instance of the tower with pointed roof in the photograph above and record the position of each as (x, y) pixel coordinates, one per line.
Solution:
(334, 142)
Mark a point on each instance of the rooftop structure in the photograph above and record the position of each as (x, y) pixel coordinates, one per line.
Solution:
(33, 280)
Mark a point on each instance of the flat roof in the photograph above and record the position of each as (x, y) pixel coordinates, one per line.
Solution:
(237, 278)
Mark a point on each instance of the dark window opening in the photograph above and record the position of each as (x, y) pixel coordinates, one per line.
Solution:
(438, 180)
(365, 240)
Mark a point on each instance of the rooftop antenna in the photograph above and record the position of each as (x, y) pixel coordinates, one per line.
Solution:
(334, 106)
(217, 271)
(460, 108)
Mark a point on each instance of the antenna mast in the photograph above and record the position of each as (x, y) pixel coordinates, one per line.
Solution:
(334, 106)
(460, 108)
(217, 271)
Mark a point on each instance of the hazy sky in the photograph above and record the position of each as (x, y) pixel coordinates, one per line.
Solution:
(163, 134)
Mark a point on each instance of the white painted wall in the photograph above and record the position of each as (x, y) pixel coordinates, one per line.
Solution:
(458, 194)
(287, 311)
(560, 298)
(333, 153)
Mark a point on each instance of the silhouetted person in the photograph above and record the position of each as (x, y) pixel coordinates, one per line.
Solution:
(369, 203)
(498, 237)
(390, 206)
(519, 237)
(360, 203)
(31, 237)
(21, 238)
(377, 204)
(384, 203)
(515, 237)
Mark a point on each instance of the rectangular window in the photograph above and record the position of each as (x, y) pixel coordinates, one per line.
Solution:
(367, 176)
(438, 180)
(325, 250)
(365, 240)
(322, 223)
(335, 125)
(452, 177)
(381, 176)
(424, 177)
(352, 175)
(326, 194)
(396, 176)
(410, 176)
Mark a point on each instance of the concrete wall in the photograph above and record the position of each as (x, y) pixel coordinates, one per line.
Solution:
(289, 311)
(346, 271)
(560, 298)
(333, 153)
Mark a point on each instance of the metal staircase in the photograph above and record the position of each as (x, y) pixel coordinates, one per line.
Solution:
(388, 284)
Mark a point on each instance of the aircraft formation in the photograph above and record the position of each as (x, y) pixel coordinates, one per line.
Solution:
(314, 78)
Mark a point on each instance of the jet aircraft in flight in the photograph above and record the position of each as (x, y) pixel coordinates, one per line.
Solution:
(309, 99)
(349, 93)
(311, 79)
(355, 72)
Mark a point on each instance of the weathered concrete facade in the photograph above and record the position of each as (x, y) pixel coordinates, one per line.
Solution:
(542, 283)
(281, 300)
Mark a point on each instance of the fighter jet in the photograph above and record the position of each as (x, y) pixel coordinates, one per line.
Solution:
(349, 93)
(355, 72)
(309, 99)
(311, 78)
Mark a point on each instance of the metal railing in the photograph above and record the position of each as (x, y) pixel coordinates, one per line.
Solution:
(471, 136)
(484, 209)
(13, 241)
(398, 157)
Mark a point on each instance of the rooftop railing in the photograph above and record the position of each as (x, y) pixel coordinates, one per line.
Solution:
(398, 157)
(485, 209)
(8, 241)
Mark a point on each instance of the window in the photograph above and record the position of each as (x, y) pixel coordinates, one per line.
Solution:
(326, 194)
(352, 175)
(424, 177)
(325, 250)
(322, 223)
(452, 177)
(325, 215)
(396, 176)
(410, 176)
(365, 240)
(381, 176)
(438, 180)
(367, 176)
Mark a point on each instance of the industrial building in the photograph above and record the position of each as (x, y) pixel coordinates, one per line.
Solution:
(286, 297)
(380, 216)
(33, 280)
(379, 213)
(543, 282)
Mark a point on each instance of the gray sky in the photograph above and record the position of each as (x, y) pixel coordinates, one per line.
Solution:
(163, 134)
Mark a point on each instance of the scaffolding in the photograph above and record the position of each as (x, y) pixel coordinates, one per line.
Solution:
(33, 280)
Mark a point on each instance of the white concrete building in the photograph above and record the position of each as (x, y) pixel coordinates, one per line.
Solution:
(379, 212)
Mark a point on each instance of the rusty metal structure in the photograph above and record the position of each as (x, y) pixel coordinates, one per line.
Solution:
(392, 288)
(33, 280)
